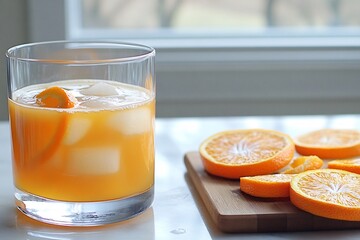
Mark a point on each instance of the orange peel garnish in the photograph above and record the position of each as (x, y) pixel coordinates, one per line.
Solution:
(55, 97)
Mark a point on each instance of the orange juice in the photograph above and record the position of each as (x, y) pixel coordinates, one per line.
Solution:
(100, 149)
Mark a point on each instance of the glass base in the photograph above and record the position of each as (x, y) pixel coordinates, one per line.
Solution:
(82, 213)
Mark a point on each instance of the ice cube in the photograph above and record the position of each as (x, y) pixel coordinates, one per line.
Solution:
(93, 161)
(99, 103)
(100, 89)
(134, 121)
(77, 129)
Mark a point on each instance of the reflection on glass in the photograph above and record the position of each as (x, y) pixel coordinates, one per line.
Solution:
(130, 229)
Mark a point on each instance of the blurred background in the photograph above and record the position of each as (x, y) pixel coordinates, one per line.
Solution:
(215, 57)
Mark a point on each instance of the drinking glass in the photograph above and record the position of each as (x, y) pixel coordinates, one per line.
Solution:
(82, 126)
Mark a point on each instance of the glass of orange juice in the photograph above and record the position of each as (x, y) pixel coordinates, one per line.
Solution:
(82, 125)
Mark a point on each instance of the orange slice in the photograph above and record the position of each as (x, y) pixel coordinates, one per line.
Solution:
(239, 153)
(55, 97)
(268, 186)
(330, 143)
(329, 193)
(304, 163)
(36, 133)
(351, 165)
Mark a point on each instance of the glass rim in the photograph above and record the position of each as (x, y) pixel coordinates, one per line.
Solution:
(150, 51)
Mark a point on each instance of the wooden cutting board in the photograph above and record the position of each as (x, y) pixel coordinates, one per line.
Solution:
(234, 211)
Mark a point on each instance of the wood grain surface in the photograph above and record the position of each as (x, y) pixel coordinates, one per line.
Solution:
(234, 211)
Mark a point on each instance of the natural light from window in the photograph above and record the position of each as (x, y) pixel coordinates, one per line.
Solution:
(236, 57)
(196, 18)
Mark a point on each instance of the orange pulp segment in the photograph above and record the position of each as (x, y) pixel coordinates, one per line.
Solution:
(267, 186)
(304, 163)
(330, 143)
(351, 165)
(237, 153)
(329, 193)
(55, 97)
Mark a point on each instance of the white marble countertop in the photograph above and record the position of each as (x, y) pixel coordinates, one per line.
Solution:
(177, 212)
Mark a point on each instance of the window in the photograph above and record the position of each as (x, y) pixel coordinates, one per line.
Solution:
(174, 19)
(225, 57)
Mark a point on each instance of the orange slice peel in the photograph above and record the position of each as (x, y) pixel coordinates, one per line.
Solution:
(329, 193)
(351, 165)
(55, 97)
(329, 143)
(250, 152)
(267, 186)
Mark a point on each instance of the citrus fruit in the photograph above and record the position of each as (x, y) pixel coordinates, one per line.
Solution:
(55, 97)
(330, 143)
(237, 153)
(304, 163)
(351, 165)
(35, 133)
(268, 186)
(329, 193)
